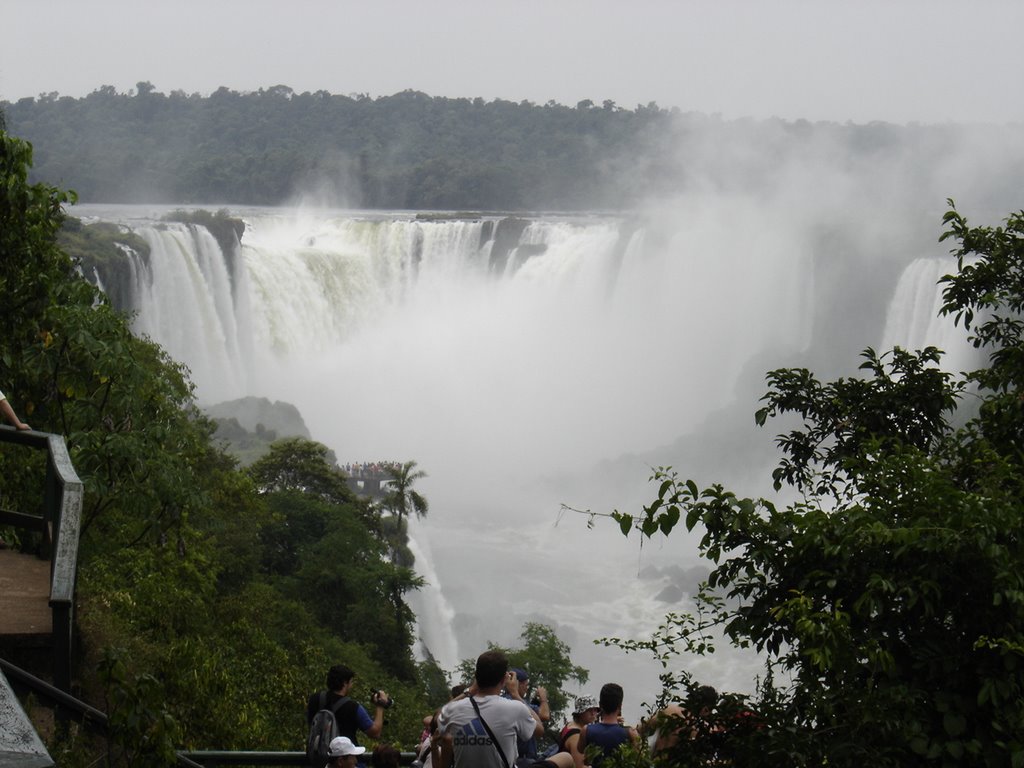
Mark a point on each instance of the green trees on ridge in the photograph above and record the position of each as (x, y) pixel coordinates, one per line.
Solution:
(404, 151)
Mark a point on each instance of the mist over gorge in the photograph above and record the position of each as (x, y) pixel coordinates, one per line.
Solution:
(598, 347)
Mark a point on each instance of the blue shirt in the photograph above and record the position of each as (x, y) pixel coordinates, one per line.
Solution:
(607, 736)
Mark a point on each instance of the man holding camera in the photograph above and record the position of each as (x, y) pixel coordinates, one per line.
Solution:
(350, 715)
(481, 729)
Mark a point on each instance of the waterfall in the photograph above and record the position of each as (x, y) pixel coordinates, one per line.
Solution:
(183, 298)
(507, 357)
(434, 614)
(913, 321)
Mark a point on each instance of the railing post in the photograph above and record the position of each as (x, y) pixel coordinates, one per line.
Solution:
(65, 559)
(51, 509)
(62, 645)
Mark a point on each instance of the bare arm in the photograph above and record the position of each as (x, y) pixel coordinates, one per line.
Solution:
(545, 710)
(378, 723)
(572, 746)
(442, 754)
(512, 688)
(11, 416)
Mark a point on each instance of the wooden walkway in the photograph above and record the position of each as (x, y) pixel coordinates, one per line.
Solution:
(25, 614)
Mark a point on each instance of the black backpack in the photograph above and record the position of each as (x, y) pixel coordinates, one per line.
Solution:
(323, 730)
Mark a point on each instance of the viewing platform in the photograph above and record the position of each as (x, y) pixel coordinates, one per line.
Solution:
(37, 591)
(368, 479)
(26, 619)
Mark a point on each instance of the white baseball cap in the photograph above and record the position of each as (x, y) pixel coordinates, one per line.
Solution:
(342, 746)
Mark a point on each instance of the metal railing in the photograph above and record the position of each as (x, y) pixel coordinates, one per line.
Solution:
(60, 526)
(215, 759)
(98, 722)
(70, 707)
(20, 745)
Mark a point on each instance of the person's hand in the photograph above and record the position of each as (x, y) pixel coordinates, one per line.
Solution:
(23, 426)
(512, 685)
(542, 693)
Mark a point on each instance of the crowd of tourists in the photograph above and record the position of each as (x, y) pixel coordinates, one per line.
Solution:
(495, 722)
(370, 470)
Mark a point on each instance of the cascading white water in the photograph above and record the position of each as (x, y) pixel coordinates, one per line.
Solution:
(184, 299)
(913, 320)
(561, 363)
(434, 613)
(593, 341)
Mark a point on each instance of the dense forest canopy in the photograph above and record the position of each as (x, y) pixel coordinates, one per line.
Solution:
(407, 150)
(413, 151)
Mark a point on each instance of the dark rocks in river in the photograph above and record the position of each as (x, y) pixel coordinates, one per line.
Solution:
(523, 252)
(506, 238)
(486, 232)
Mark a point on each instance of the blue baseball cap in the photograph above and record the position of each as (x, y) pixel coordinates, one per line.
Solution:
(521, 675)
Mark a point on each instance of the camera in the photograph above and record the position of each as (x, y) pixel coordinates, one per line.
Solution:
(379, 700)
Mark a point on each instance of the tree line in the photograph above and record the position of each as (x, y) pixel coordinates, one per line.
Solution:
(404, 151)
(413, 151)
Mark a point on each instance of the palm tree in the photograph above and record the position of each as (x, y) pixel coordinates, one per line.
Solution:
(400, 498)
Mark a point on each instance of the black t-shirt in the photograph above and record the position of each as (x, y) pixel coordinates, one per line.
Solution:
(345, 716)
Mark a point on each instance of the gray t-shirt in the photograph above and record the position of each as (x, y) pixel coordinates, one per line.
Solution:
(509, 720)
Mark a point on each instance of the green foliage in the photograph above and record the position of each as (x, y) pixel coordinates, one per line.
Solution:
(891, 596)
(142, 727)
(296, 464)
(97, 244)
(244, 445)
(31, 265)
(99, 250)
(435, 682)
(401, 500)
(324, 549)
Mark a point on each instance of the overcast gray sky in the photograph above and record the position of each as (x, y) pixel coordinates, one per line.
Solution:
(860, 60)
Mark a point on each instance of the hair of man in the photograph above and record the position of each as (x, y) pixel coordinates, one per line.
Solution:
(705, 697)
(337, 676)
(610, 699)
(491, 667)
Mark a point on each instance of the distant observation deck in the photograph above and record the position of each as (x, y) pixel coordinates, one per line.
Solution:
(368, 478)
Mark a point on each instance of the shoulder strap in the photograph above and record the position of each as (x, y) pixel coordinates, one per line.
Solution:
(490, 733)
(336, 705)
(566, 733)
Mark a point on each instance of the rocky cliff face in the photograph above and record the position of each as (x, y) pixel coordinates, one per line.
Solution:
(249, 425)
